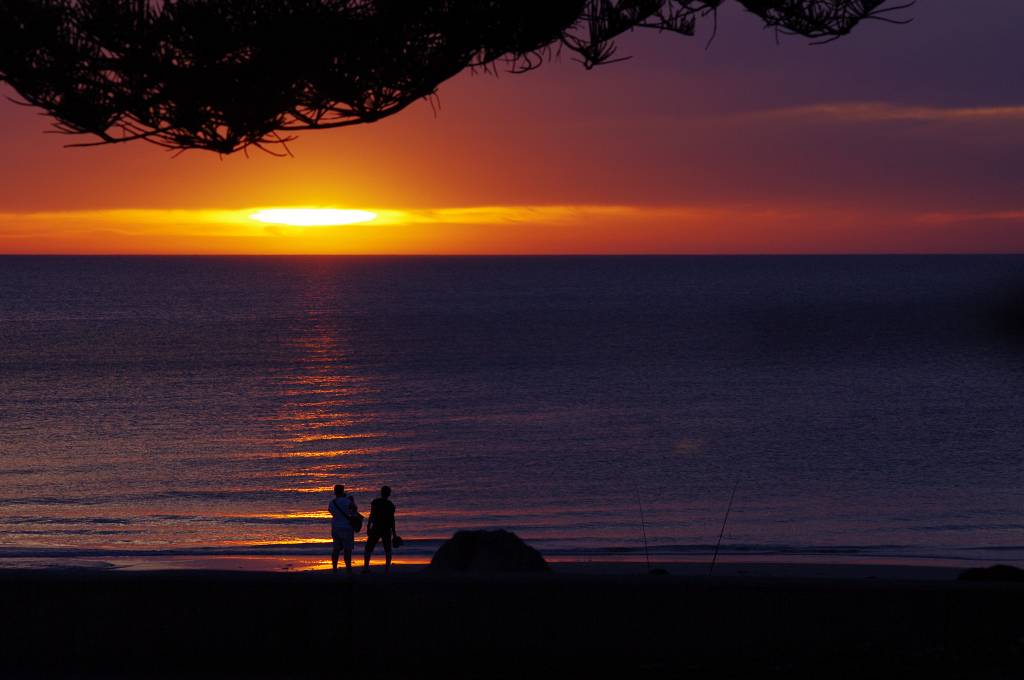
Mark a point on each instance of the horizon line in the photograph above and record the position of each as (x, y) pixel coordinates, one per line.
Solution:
(523, 255)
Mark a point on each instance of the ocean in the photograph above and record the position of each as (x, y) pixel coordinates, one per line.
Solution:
(853, 408)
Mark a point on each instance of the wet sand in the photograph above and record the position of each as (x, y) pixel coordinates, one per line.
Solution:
(597, 620)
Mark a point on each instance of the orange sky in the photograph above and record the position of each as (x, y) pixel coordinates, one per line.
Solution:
(891, 140)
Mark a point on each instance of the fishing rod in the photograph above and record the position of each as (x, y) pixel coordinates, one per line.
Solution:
(721, 533)
(643, 525)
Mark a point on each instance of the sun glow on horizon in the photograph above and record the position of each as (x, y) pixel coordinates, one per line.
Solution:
(496, 229)
(312, 217)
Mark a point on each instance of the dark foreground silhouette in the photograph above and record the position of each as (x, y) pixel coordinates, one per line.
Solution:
(996, 573)
(223, 75)
(487, 552)
(219, 624)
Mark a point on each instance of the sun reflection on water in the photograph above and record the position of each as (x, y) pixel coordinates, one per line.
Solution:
(338, 453)
(322, 403)
(302, 439)
(305, 489)
(309, 514)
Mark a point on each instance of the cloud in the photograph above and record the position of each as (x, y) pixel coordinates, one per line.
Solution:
(464, 229)
(883, 111)
(139, 216)
(522, 229)
(154, 219)
(569, 214)
(961, 217)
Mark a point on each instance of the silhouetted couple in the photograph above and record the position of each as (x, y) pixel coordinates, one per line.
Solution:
(346, 521)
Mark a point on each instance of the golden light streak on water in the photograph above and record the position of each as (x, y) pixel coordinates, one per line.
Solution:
(331, 437)
(299, 489)
(333, 453)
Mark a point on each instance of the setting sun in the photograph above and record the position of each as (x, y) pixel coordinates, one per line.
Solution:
(312, 217)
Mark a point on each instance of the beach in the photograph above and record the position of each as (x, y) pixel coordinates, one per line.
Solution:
(585, 620)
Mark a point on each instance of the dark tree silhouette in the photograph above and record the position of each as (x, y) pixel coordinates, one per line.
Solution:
(224, 75)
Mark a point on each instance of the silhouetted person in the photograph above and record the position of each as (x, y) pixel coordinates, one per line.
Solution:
(381, 527)
(343, 510)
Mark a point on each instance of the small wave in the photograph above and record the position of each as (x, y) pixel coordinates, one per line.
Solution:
(78, 532)
(757, 549)
(287, 549)
(24, 519)
(968, 527)
(57, 500)
(551, 549)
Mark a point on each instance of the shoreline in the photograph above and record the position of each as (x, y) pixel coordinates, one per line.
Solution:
(698, 566)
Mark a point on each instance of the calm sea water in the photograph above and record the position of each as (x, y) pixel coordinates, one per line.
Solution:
(861, 407)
